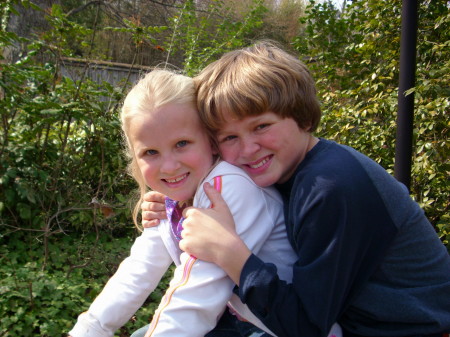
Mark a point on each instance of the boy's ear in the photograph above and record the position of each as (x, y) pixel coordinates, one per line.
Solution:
(307, 127)
(214, 147)
(216, 154)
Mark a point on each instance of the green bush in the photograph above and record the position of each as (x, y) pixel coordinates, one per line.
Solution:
(37, 302)
(356, 64)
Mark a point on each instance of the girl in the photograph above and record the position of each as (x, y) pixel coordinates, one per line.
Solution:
(170, 152)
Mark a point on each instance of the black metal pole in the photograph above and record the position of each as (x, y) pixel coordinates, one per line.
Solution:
(403, 149)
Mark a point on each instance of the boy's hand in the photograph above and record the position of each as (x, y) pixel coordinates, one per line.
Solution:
(153, 209)
(210, 235)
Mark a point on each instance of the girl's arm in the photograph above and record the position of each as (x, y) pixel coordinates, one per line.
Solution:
(137, 276)
(200, 290)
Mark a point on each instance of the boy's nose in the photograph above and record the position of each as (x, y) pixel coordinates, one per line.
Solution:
(249, 146)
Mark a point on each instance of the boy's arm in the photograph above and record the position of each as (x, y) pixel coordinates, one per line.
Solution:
(137, 276)
(200, 290)
(334, 255)
(216, 226)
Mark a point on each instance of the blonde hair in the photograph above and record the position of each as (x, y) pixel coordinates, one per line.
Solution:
(155, 89)
(254, 80)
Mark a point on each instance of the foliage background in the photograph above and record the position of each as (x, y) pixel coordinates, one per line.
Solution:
(64, 195)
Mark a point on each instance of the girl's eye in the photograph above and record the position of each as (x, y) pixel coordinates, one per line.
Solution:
(182, 143)
(151, 152)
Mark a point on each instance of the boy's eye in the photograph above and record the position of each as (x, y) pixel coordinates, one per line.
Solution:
(262, 126)
(182, 143)
(227, 138)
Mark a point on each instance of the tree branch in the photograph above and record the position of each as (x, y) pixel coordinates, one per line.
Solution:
(81, 8)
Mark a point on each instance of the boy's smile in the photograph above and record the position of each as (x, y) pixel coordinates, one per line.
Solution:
(172, 150)
(268, 147)
(260, 165)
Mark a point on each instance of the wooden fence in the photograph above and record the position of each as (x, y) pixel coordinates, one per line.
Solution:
(117, 74)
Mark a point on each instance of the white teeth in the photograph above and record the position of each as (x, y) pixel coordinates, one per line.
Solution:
(176, 179)
(261, 163)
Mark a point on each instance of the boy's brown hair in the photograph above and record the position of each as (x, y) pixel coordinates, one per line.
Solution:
(254, 80)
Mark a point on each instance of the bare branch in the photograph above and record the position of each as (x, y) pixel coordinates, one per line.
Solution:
(83, 7)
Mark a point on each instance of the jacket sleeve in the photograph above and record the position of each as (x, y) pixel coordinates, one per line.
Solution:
(137, 276)
(199, 292)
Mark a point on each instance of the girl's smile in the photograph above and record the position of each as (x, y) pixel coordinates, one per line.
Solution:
(177, 180)
(172, 150)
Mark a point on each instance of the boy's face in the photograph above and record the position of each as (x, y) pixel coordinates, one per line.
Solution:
(268, 147)
(172, 149)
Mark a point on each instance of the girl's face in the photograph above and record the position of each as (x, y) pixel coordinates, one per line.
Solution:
(172, 149)
(268, 147)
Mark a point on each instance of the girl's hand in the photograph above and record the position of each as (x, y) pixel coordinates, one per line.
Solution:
(210, 235)
(153, 209)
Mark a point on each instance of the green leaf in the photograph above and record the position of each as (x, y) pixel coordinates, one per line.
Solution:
(24, 211)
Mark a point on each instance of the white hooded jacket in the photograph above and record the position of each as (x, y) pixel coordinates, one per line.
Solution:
(199, 291)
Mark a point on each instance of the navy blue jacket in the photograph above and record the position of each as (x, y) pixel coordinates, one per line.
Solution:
(368, 257)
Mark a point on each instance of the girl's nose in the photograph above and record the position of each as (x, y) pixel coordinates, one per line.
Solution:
(170, 165)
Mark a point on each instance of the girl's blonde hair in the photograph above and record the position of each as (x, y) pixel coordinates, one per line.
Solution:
(155, 89)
